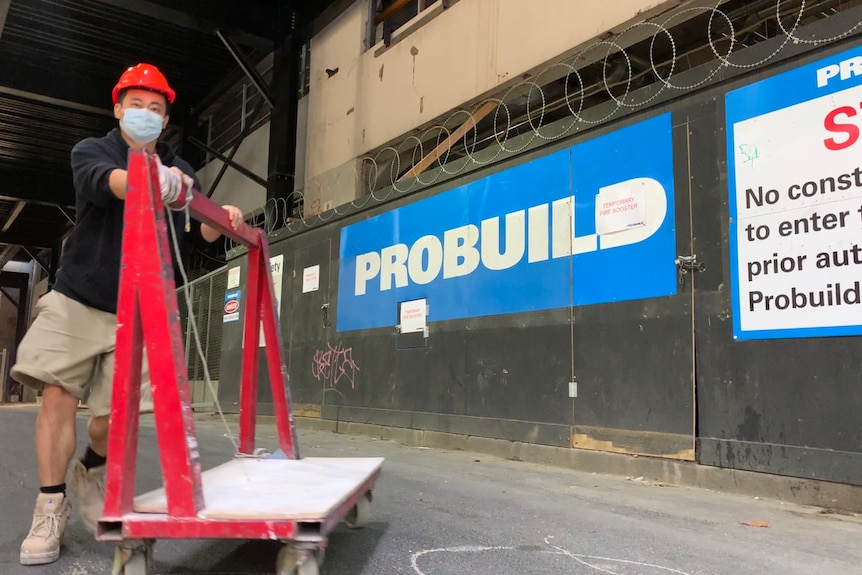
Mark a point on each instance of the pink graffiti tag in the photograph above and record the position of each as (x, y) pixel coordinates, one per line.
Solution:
(334, 364)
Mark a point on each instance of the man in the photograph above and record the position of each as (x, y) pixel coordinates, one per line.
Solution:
(68, 352)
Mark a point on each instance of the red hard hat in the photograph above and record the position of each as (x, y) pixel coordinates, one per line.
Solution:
(146, 77)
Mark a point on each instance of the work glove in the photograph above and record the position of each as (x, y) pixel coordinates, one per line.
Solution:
(171, 184)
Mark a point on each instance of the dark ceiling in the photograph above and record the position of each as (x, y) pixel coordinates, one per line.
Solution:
(59, 60)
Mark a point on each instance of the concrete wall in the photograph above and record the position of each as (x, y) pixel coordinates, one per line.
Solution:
(301, 140)
(236, 189)
(336, 187)
(363, 96)
(455, 57)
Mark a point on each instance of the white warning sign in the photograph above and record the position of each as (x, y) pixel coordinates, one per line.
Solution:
(795, 179)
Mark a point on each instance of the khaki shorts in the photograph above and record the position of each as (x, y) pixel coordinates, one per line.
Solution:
(71, 345)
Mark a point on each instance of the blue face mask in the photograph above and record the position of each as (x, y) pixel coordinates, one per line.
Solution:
(141, 125)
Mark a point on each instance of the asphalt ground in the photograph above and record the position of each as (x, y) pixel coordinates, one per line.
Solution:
(440, 512)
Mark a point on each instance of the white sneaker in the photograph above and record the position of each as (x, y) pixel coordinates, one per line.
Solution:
(89, 489)
(42, 544)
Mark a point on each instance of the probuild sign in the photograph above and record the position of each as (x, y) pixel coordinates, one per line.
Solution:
(590, 224)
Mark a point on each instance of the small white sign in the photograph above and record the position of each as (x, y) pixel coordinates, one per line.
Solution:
(413, 314)
(311, 279)
(620, 207)
(276, 265)
(233, 278)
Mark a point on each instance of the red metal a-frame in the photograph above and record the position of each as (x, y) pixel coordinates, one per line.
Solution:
(148, 312)
(253, 496)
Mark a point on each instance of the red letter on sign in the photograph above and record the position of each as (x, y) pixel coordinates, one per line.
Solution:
(852, 130)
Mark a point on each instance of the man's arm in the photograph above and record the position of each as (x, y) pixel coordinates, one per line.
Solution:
(117, 181)
(97, 178)
(210, 234)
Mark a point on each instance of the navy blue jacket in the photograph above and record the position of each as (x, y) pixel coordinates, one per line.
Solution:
(89, 268)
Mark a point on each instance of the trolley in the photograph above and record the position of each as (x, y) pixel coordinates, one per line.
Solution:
(285, 498)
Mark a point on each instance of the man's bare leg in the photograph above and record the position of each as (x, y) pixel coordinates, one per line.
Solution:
(98, 432)
(55, 434)
(55, 447)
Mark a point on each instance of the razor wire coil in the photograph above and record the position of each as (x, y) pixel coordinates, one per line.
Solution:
(369, 170)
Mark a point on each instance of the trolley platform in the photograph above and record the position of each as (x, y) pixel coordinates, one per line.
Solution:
(281, 497)
(251, 488)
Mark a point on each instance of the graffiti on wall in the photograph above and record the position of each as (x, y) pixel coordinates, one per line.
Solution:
(334, 366)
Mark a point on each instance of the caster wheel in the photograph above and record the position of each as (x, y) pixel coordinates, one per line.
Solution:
(293, 561)
(133, 561)
(309, 567)
(360, 514)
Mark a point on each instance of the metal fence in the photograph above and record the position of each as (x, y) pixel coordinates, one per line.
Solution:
(206, 295)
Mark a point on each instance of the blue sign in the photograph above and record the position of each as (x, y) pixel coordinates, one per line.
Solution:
(795, 190)
(590, 224)
(815, 80)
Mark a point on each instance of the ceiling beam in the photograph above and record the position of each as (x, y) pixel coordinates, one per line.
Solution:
(68, 217)
(32, 96)
(190, 21)
(13, 215)
(39, 190)
(4, 11)
(30, 237)
(39, 261)
(7, 254)
(12, 299)
(63, 83)
(247, 67)
(231, 78)
(5, 198)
